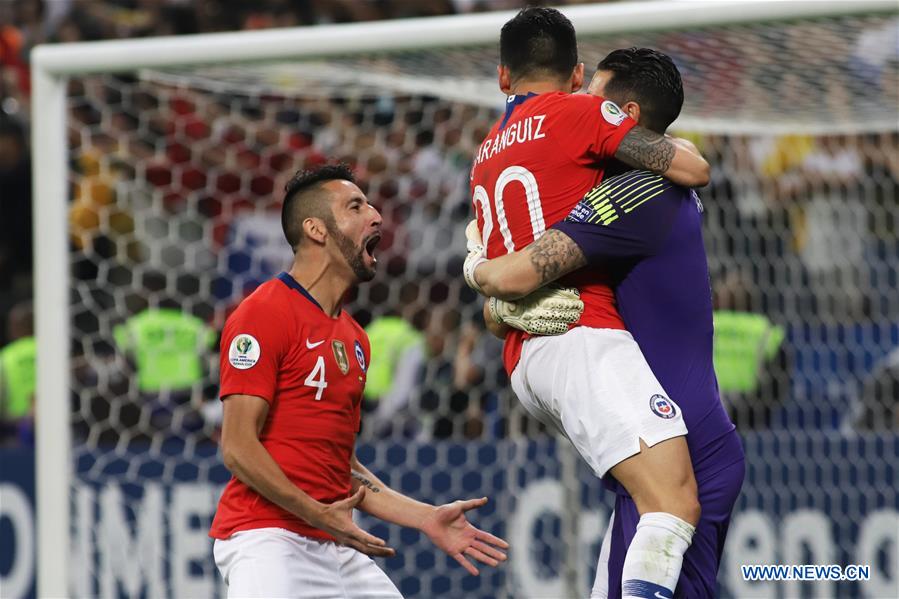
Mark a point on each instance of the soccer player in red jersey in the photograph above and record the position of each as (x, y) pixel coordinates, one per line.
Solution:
(651, 243)
(293, 367)
(592, 382)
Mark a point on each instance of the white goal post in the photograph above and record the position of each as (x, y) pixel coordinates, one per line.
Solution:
(52, 65)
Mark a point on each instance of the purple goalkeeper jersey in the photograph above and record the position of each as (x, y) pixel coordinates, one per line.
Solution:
(647, 233)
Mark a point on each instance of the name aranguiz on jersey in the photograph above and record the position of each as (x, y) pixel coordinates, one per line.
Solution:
(518, 132)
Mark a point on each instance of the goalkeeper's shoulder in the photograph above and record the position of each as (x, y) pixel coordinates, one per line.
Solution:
(626, 186)
(627, 200)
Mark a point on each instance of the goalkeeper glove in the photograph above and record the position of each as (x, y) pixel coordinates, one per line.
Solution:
(476, 255)
(547, 311)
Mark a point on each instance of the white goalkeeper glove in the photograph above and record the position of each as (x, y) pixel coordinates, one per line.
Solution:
(476, 255)
(547, 311)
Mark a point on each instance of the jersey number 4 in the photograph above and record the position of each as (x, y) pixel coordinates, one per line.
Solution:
(532, 196)
(319, 383)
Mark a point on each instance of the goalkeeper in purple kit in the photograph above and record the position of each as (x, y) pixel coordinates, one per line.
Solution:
(645, 233)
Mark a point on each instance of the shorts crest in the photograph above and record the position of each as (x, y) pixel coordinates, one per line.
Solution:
(662, 407)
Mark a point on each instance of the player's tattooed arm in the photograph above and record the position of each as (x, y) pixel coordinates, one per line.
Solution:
(365, 481)
(554, 255)
(515, 275)
(642, 148)
(645, 149)
(446, 525)
(251, 463)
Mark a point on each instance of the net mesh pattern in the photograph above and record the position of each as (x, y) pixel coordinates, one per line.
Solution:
(817, 75)
(176, 182)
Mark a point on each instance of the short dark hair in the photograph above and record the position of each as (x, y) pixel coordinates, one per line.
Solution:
(538, 40)
(649, 78)
(303, 198)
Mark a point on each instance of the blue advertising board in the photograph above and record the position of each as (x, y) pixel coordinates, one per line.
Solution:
(140, 520)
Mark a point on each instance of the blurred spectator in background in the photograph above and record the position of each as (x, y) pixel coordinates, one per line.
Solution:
(478, 371)
(461, 379)
(876, 408)
(881, 152)
(17, 356)
(94, 201)
(15, 224)
(872, 55)
(168, 346)
(443, 405)
(394, 376)
(175, 187)
(36, 21)
(832, 229)
(14, 77)
(17, 377)
(255, 252)
(749, 355)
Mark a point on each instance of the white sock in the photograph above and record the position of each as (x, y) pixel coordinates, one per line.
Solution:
(653, 561)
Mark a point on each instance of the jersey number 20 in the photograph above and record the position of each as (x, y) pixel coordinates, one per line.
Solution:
(532, 196)
(319, 383)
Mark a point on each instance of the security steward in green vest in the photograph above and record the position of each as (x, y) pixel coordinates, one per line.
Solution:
(168, 348)
(750, 366)
(397, 349)
(18, 379)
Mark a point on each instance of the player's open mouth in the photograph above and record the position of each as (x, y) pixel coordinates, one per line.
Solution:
(370, 244)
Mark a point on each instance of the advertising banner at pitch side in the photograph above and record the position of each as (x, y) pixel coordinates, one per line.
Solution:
(139, 524)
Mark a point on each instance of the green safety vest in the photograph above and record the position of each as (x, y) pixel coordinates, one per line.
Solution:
(390, 337)
(17, 378)
(168, 348)
(743, 343)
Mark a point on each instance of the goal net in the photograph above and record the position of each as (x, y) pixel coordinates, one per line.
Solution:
(174, 179)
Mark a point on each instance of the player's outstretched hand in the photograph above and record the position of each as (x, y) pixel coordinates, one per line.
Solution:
(448, 528)
(337, 520)
(546, 311)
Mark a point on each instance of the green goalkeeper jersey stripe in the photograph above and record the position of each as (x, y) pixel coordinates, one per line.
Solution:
(622, 194)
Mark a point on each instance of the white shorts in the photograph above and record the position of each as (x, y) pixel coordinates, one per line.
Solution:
(273, 562)
(595, 387)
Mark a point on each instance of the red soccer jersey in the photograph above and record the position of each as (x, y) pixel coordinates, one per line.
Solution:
(281, 346)
(536, 163)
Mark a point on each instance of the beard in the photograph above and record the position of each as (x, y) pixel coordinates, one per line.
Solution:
(353, 255)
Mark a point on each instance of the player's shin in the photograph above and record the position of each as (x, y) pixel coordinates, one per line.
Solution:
(653, 561)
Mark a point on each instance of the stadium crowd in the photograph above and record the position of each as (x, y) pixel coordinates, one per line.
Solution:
(174, 215)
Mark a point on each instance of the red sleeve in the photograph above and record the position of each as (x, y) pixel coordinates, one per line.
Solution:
(254, 341)
(590, 128)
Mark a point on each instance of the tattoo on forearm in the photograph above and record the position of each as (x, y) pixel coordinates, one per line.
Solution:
(555, 254)
(642, 148)
(365, 482)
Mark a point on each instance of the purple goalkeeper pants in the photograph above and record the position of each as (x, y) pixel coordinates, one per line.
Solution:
(718, 493)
